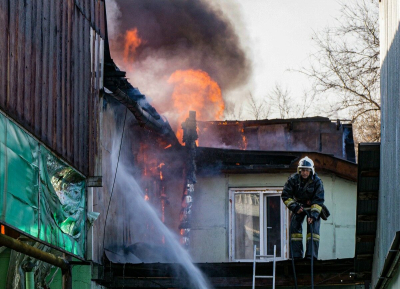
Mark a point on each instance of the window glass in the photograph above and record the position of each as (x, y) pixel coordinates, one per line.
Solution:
(273, 222)
(247, 225)
(258, 218)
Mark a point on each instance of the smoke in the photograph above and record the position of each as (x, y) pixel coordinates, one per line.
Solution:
(113, 16)
(177, 35)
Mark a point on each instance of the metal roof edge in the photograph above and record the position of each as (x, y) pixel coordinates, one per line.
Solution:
(391, 262)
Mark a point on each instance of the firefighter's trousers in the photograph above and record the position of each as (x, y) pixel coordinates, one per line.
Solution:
(296, 234)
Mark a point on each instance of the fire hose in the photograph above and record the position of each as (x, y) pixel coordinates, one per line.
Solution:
(291, 253)
(312, 251)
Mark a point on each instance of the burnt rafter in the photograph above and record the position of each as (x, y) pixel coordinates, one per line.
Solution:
(118, 88)
(146, 115)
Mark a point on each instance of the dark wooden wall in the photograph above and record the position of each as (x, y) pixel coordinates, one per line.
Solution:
(51, 55)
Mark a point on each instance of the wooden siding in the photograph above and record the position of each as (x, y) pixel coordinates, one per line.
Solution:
(389, 182)
(51, 73)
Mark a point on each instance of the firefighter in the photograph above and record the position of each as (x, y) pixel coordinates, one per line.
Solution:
(303, 195)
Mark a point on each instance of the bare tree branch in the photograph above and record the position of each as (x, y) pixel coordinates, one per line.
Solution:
(233, 111)
(347, 64)
(280, 101)
(258, 110)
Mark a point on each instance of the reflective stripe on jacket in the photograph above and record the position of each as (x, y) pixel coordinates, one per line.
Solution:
(295, 195)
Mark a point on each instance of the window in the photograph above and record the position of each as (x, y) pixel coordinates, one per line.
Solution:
(257, 216)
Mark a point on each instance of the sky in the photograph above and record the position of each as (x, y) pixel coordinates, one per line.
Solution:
(276, 37)
(279, 39)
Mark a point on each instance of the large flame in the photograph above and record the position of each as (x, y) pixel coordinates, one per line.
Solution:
(195, 90)
(192, 89)
(132, 42)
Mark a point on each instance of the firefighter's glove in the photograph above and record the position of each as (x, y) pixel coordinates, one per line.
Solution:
(312, 219)
(297, 208)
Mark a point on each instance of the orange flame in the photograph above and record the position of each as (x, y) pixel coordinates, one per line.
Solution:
(244, 147)
(161, 174)
(244, 141)
(195, 90)
(3, 230)
(132, 42)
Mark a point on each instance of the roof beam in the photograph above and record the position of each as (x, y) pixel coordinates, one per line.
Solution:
(365, 238)
(216, 282)
(367, 218)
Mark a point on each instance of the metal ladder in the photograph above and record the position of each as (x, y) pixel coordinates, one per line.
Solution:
(255, 256)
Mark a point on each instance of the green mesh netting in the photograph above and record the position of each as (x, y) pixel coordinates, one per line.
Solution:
(18, 178)
(55, 211)
(62, 204)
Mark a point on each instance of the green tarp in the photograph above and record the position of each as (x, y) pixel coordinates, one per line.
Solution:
(55, 210)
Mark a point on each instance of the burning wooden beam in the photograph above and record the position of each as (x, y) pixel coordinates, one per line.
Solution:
(189, 138)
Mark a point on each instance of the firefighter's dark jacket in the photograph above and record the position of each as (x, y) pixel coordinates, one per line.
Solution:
(296, 194)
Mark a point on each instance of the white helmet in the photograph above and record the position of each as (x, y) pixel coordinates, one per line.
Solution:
(306, 163)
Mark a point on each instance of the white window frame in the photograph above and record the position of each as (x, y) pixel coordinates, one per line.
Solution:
(265, 191)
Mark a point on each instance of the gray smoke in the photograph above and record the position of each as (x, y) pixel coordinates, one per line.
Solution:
(181, 34)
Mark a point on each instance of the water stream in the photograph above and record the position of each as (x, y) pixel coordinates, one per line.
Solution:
(147, 239)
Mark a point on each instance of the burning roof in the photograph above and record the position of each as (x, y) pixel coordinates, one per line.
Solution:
(116, 85)
(186, 55)
(315, 134)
